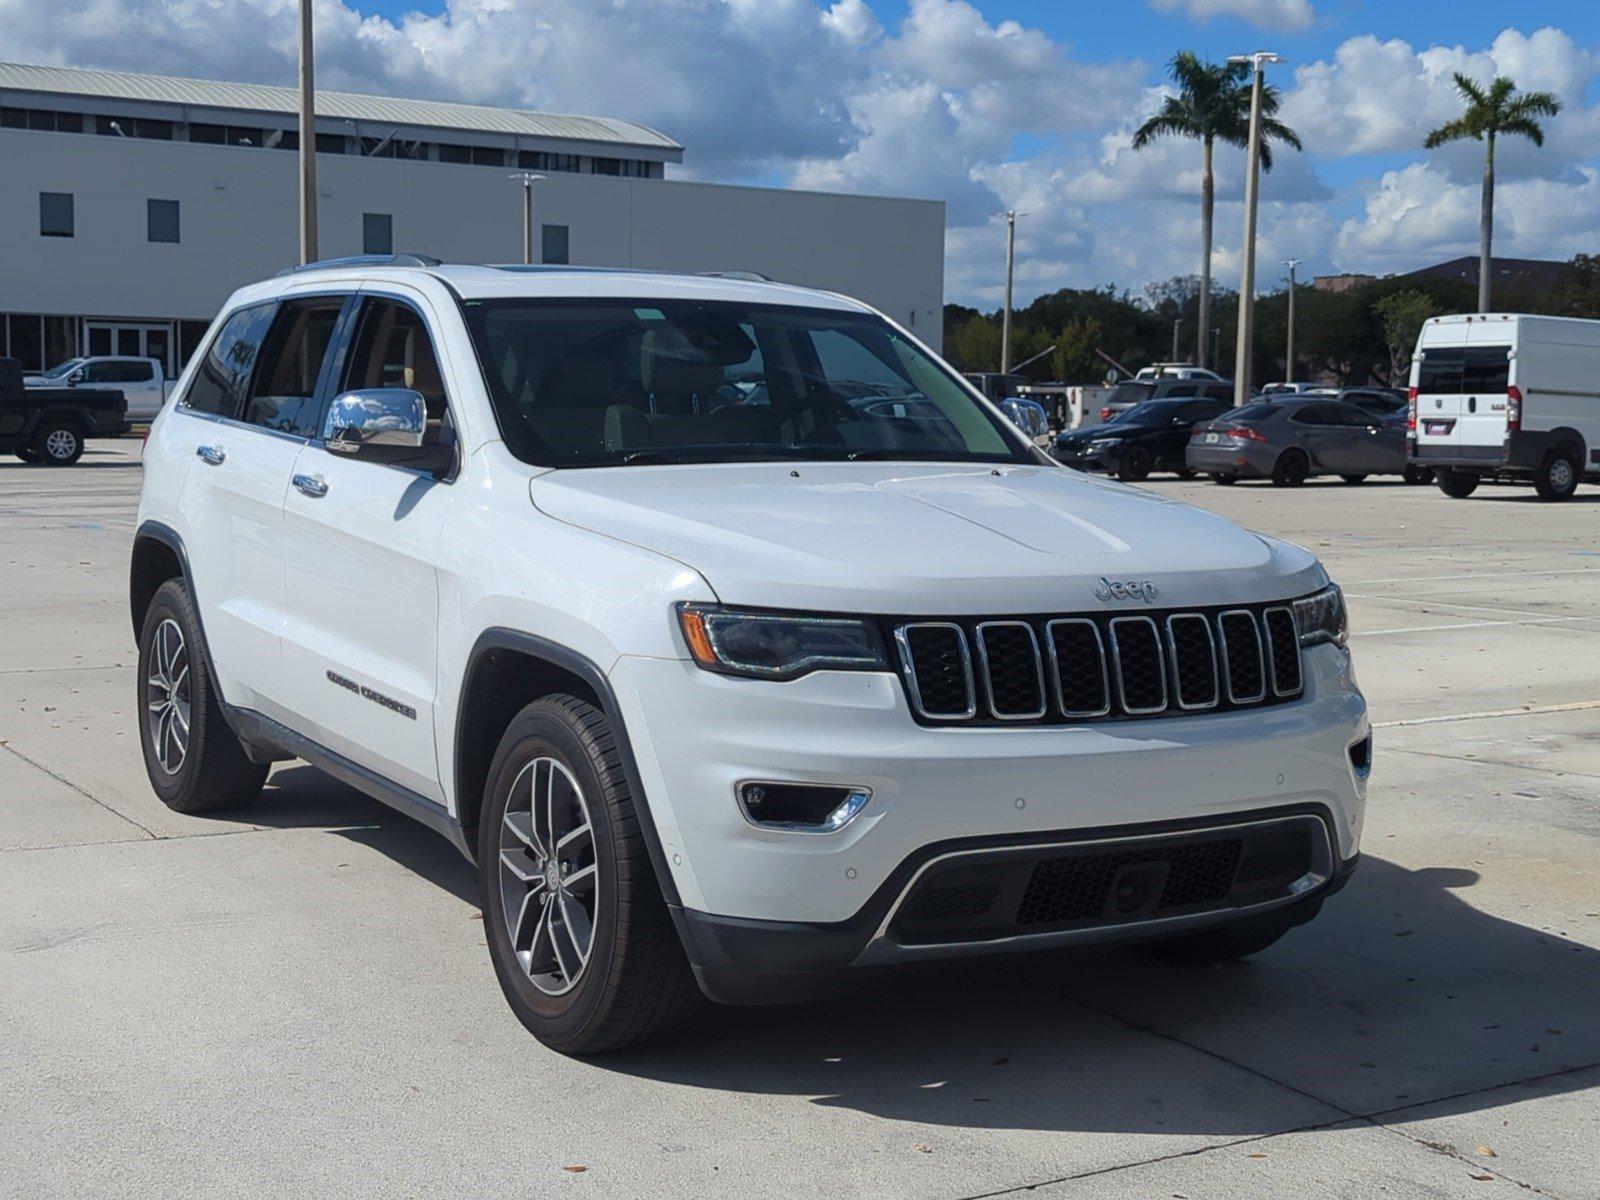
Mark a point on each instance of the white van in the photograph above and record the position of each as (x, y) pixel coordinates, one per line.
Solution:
(1509, 397)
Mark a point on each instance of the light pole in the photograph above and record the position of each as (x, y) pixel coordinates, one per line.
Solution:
(1005, 320)
(528, 179)
(1288, 366)
(1247, 284)
(308, 142)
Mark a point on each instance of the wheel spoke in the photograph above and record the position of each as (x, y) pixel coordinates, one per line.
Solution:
(520, 825)
(581, 834)
(541, 951)
(568, 957)
(550, 802)
(525, 872)
(182, 678)
(576, 925)
(581, 880)
(521, 929)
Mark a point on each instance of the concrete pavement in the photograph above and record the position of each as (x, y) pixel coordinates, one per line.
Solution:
(295, 999)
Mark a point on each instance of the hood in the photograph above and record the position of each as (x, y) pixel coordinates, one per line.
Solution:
(911, 539)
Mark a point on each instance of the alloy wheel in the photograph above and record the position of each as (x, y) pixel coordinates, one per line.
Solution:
(549, 876)
(61, 444)
(168, 697)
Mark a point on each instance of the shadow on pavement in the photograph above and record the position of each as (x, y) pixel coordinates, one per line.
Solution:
(1401, 993)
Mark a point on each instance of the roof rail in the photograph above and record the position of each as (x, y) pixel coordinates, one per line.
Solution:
(362, 260)
(747, 276)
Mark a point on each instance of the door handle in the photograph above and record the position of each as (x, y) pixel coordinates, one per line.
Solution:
(211, 454)
(312, 485)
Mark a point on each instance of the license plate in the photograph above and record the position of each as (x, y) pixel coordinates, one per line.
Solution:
(1437, 428)
(1213, 437)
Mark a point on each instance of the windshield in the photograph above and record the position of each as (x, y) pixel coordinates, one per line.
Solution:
(1250, 414)
(65, 369)
(580, 383)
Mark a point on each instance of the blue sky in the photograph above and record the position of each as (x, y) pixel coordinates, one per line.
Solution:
(983, 104)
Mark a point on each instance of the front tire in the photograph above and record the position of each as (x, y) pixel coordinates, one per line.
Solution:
(1225, 480)
(194, 762)
(26, 455)
(1458, 485)
(58, 443)
(1291, 469)
(1135, 465)
(1416, 476)
(1353, 480)
(581, 940)
(1557, 476)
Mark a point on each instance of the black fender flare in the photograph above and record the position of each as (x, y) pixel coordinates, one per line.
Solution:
(501, 638)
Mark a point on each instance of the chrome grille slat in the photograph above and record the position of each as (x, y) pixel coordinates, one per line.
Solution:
(1054, 670)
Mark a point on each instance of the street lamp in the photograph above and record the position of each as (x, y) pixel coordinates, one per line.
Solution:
(1288, 366)
(528, 179)
(1005, 320)
(1247, 284)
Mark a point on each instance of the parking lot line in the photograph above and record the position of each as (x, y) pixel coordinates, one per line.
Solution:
(1531, 711)
(1479, 575)
(1494, 608)
(1462, 625)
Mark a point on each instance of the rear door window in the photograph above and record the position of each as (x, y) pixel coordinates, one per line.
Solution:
(1320, 414)
(284, 395)
(1486, 369)
(1441, 369)
(223, 380)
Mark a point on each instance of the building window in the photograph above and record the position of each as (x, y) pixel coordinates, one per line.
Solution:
(161, 220)
(633, 168)
(55, 214)
(329, 143)
(543, 160)
(451, 153)
(135, 127)
(555, 244)
(377, 233)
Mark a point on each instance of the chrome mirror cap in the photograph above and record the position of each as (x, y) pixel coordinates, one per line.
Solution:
(396, 417)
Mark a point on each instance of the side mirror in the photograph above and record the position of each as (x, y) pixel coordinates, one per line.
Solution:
(381, 424)
(77, 376)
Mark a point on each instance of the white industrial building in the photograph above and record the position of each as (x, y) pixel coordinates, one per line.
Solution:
(131, 205)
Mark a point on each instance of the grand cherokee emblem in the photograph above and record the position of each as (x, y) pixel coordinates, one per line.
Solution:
(1125, 589)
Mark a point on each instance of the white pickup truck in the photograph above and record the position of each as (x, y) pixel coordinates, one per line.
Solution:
(142, 381)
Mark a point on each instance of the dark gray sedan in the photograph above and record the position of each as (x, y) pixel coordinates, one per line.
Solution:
(1290, 439)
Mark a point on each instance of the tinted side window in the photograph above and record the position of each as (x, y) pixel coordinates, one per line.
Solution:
(1182, 389)
(284, 397)
(224, 376)
(1441, 370)
(1318, 414)
(1487, 369)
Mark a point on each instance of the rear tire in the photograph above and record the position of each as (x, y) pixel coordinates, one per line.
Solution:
(630, 981)
(1456, 484)
(1227, 943)
(1185, 473)
(1291, 469)
(1225, 480)
(1135, 465)
(1557, 476)
(1352, 480)
(1418, 475)
(194, 762)
(58, 442)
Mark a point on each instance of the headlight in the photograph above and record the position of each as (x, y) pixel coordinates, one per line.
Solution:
(1320, 617)
(778, 645)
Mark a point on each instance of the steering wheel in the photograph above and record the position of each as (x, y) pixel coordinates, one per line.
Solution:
(828, 413)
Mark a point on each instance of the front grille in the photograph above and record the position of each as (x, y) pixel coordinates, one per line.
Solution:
(1054, 670)
(1092, 885)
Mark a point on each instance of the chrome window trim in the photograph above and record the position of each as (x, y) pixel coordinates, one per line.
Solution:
(1177, 673)
(907, 662)
(235, 423)
(1272, 657)
(1161, 673)
(1261, 655)
(882, 948)
(988, 681)
(1055, 667)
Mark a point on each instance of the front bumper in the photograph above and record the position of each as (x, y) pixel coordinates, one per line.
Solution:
(1082, 457)
(696, 736)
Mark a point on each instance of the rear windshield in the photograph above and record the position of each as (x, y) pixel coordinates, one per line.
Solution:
(1250, 414)
(1453, 370)
(1130, 393)
(599, 383)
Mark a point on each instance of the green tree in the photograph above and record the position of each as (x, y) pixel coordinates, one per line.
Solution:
(1489, 114)
(1577, 291)
(1402, 315)
(1074, 360)
(1212, 105)
(974, 344)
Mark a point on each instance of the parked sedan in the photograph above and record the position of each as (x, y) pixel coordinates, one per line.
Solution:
(1291, 438)
(1148, 437)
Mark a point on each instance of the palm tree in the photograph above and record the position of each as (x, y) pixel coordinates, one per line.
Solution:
(1213, 104)
(1489, 114)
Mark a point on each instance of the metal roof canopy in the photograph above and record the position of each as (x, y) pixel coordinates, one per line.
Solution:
(256, 97)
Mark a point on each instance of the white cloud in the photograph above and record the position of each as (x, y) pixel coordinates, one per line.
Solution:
(1291, 16)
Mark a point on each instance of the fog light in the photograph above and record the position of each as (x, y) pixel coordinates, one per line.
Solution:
(801, 807)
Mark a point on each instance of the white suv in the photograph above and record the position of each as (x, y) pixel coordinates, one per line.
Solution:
(744, 646)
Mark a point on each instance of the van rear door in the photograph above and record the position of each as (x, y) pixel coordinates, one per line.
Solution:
(1461, 399)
